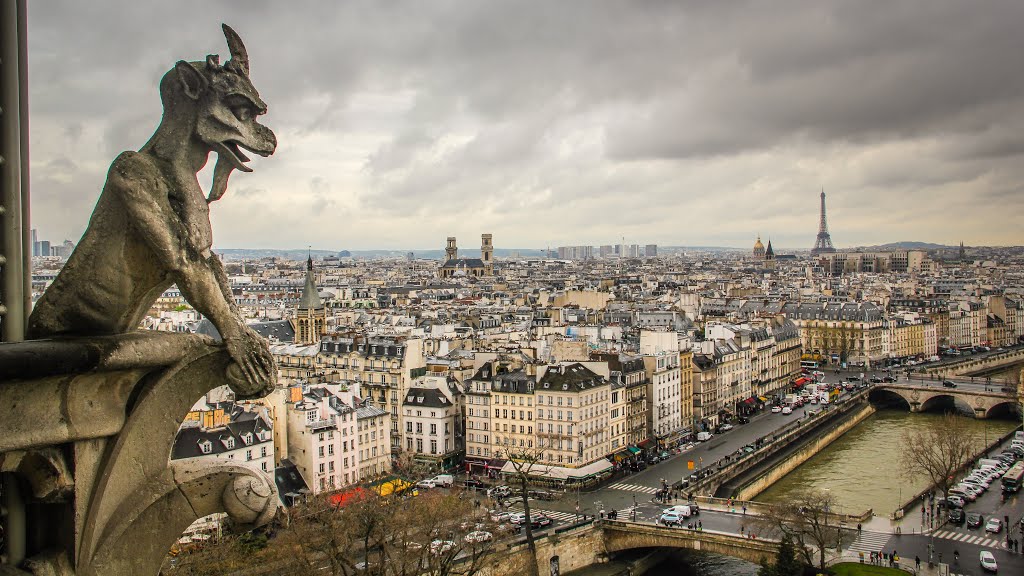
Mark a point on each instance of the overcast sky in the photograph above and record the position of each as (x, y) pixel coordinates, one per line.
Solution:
(555, 123)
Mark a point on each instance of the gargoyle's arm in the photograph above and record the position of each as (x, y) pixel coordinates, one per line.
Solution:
(199, 276)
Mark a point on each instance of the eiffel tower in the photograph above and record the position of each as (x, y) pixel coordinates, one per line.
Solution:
(823, 244)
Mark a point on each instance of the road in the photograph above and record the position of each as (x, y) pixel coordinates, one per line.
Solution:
(633, 494)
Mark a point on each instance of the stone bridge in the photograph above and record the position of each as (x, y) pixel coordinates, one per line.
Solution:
(593, 543)
(922, 398)
(620, 536)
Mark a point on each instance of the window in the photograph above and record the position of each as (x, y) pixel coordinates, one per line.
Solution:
(419, 427)
(408, 444)
(263, 454)
(320, 451)
(330, 449)
(433, 429)
(433, 446)
(419, 445)
(408, 426)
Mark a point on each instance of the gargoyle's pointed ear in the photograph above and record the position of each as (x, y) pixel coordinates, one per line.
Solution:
(192, 82)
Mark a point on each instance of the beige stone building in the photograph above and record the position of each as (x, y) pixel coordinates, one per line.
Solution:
(383, 366)
(686, 388)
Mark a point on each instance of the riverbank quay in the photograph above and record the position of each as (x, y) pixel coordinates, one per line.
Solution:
(732, 472)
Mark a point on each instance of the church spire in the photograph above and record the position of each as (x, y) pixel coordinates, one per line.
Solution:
(310, 299)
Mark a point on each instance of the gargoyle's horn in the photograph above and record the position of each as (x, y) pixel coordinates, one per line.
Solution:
(239, 57)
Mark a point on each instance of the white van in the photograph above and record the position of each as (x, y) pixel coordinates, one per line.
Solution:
(446, 480)
(683, 511)
(704, 436)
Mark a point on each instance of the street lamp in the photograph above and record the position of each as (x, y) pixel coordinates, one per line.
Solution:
(634, 507)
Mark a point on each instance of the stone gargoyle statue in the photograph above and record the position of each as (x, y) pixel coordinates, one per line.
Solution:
(151, 225)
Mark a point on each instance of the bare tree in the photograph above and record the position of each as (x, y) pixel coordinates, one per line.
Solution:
(810, 521)
(523, 460)
(368, 535)
(937, 452)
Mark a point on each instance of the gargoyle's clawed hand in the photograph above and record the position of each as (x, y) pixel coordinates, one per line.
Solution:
(252, 373)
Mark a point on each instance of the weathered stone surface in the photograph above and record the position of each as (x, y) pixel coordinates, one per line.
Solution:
(89, 407)
(151, 225)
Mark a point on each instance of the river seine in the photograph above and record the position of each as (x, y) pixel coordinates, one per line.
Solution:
(862, 468)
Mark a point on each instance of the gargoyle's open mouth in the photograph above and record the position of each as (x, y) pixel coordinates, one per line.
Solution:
(232, 150)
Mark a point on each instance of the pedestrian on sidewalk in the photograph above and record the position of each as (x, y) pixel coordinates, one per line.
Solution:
(700, 526)
(917, 563)
(744, 509)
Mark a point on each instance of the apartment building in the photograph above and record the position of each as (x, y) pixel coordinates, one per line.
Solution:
(322, 435)
(383, 366)
(433, 421)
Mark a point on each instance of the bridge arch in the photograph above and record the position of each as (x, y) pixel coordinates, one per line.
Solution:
(946, 403)
(888, 398)
(1004, 410)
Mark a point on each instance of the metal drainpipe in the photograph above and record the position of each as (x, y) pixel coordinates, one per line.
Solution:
(14, 276)
(13, 516)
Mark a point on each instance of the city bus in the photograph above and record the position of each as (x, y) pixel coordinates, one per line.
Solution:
(1012, 478)
(811, 364)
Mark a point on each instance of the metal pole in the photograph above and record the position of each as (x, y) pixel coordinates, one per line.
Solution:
(14, 259)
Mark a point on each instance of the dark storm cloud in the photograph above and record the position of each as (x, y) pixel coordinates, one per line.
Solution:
(565, 121)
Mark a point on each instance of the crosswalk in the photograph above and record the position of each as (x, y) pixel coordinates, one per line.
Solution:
(967, 538)
(624, 514)
(868, 541)
(634, 488)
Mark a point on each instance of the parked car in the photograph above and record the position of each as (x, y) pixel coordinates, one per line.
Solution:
(441, 546)
(474, 484)
(478, 537)
(956, 501)
(725, 427)
(988, 562)
(994, 525)
(428, 483)
(776, 409)
(499, 492)
(743, 420)
(500, 515)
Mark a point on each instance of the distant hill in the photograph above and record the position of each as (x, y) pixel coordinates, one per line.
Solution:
(908, 245)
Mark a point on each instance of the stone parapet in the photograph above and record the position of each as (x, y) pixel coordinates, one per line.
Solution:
(88, 429)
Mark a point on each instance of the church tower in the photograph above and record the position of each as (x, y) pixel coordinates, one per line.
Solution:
(487, 254)
(310, 314)
(451, 252)
(769, 256)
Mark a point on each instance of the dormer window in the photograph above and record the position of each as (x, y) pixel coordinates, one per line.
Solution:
(205, 446)
(229, 443)
(247, 438)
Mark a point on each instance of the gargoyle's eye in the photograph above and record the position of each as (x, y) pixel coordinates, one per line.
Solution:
(243, 113)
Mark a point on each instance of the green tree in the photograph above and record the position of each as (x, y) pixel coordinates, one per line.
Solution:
(786, 563)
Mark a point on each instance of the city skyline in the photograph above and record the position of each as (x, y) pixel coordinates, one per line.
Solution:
(403, 124)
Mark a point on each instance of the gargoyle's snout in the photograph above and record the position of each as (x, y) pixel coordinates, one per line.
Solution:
(266, 141)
